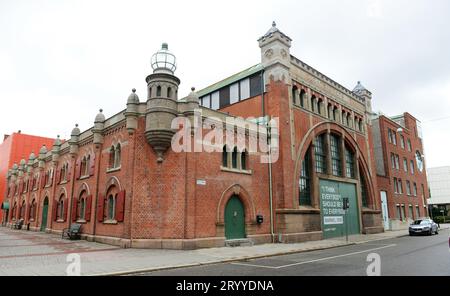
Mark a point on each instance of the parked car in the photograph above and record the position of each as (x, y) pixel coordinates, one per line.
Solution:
(423, 226)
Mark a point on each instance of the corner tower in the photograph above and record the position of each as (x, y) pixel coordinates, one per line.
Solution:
(162, 88)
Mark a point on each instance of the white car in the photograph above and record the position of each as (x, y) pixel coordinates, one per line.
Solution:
(423, 226)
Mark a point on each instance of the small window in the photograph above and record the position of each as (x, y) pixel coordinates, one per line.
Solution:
(244, 160)
(234, 93)
(409, 145)
(313, 103)
(206, 101)
(255, 85)
(245, 88)
(215, 100)
(169, 92)
(302, 98)
(408, 188)
(158, 91)
(395, 185)
(82, 208)
(405, 164)
(402, 142)
(224, 97)
(294, 95)
(60, 212)
(400, 186)
(117, 156)
(112, 155)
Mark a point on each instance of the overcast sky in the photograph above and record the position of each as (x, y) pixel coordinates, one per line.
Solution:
(60, 61)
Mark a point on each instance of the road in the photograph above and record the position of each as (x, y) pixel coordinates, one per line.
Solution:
(404, 256)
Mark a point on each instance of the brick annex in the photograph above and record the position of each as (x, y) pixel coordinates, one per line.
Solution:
(122, 181)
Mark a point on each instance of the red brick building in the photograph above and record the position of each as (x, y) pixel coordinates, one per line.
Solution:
(125, 183)
(401, 173)
(14, 148)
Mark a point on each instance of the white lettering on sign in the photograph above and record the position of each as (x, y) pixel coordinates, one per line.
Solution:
(201, 182)
(333, 220)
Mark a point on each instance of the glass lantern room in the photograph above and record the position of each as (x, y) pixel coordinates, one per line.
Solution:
(163, 60)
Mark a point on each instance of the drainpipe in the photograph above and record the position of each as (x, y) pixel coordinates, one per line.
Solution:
(272, 234)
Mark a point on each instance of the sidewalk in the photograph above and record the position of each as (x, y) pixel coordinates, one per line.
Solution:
(32, 253)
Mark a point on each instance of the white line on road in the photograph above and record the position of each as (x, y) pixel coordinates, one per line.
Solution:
(315, 260)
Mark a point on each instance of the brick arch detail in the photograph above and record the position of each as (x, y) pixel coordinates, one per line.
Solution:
(113, 181)
(83, 186)
(318, 129)
(244, 196)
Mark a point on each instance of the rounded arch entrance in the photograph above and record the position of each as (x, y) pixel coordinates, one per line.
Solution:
(44, 214)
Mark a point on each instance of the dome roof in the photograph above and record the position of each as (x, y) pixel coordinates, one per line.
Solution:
(57, 141)
(76, 131)
(133, 97)
(32, 156)
(43, 150)
(164, 61)
(100, 117)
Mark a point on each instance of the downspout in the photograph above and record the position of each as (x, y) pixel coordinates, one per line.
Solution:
(272, 234)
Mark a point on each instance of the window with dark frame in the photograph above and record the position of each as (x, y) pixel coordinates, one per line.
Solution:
(320, 155)
(336, 164)
(349, 163)
(305, 180)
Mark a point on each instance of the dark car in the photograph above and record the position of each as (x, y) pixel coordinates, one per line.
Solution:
(423, 226)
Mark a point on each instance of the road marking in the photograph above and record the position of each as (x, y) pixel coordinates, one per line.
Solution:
(315, 260)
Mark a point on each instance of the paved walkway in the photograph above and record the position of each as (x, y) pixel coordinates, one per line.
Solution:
(34, 253)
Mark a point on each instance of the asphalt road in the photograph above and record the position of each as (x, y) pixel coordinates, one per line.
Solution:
(405, 256)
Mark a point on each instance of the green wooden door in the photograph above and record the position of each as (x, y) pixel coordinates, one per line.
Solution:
(44, 215)
(234, 219)
(335, 220)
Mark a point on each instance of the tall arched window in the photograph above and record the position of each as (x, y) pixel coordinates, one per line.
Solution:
(22, 210)
(117, 156)
(313, 103)
(82, 205)
(305, 180)
(244, 160)
(32, 212)
(294, 95)
(234, 157)
(349, 163)
(83, 166)
(319, 106)
(320, 155)
(86, 168)
(225, 157)
(364, 193)
(302, 98)
(111, 207)
(60, 211)
(335, 148)
(112, 154)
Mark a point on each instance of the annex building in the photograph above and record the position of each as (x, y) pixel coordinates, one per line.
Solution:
(122, 180)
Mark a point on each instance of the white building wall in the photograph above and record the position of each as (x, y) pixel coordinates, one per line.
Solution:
(439, 183)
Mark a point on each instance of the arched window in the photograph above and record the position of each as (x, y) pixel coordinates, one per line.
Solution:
(320, 155)
(82, 206)
(319, 106)
(112, 155)
(117, 156)
(313, 103)
(349, 121)
(83, 166)
(305, 180)
(60, 210)
(302, 98)
(294, 95)
(360, 126)
(111, 207)
(86, 168)
(364, 193)
(335, 148)
(244, 160)
(225, 157)
(22, 210)
(234, 157)
(149, 92)
(32, 212)
(158, 91)
(335, 111)
(349, 163)
(344, 118)
(169, 92)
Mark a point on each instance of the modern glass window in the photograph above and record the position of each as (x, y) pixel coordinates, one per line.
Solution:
(224, 97)
(336, 164)
(305, 180)
(234, 93)
(206, 101)
(245, 88)
(255, 85)
(349, 163)
(320, 154)
(215, 100)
